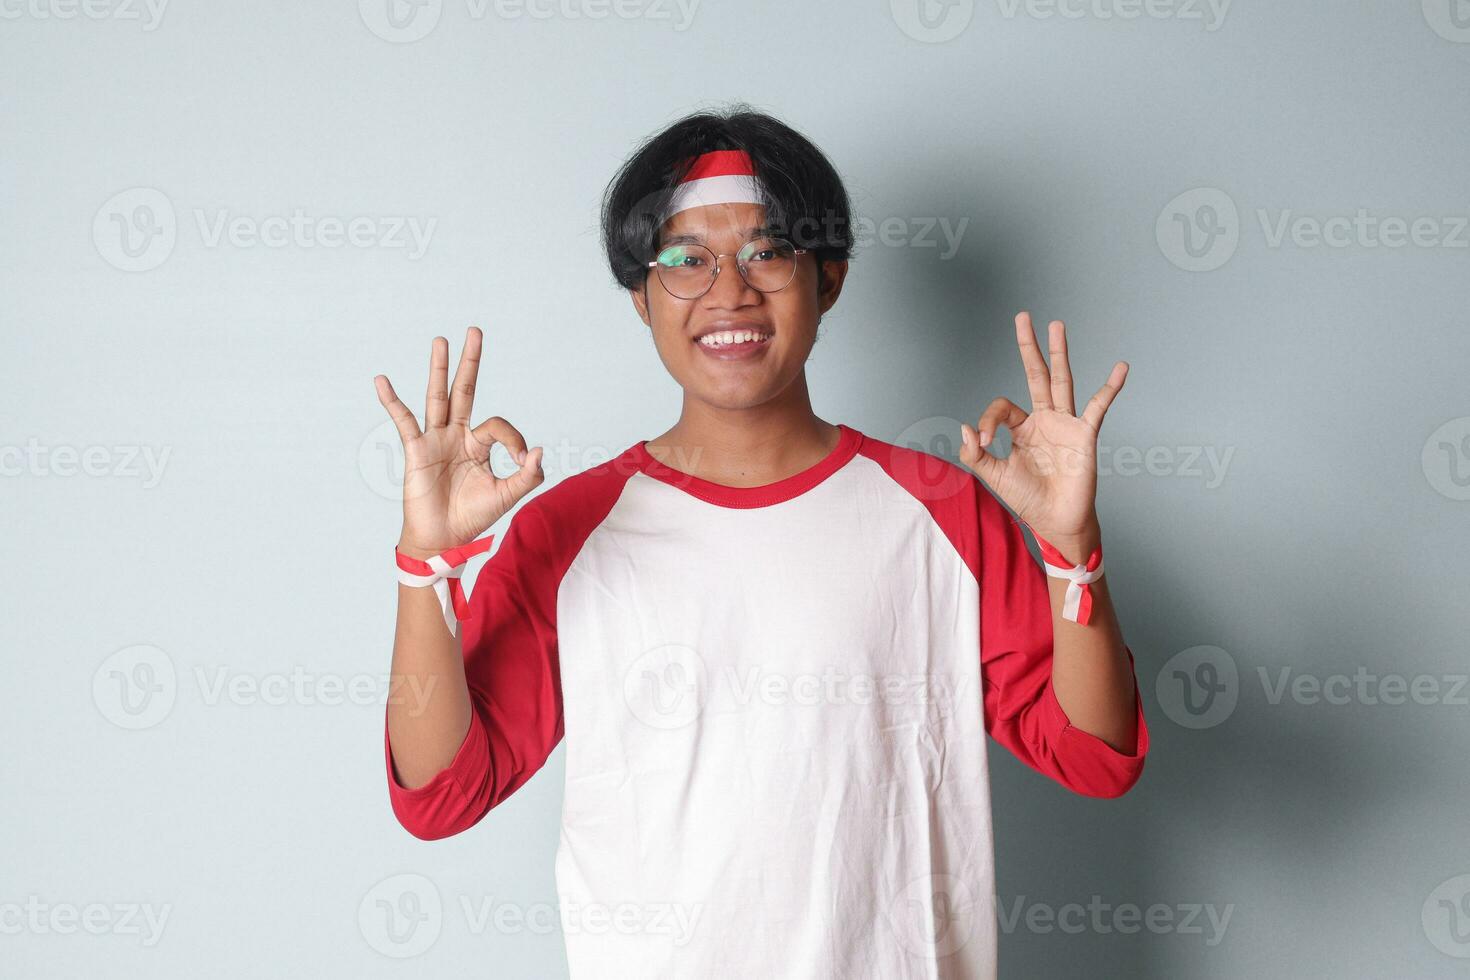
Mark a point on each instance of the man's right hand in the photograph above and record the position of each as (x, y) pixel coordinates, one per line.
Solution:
(450, 495)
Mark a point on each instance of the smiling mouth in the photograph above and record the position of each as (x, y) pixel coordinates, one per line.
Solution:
(733, 339)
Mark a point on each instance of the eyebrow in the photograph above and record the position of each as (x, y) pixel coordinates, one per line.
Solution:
(687, 239)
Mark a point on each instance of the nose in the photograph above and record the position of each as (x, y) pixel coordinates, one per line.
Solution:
(730, 289)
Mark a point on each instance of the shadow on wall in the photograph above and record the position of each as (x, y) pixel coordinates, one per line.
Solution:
(1147, 885)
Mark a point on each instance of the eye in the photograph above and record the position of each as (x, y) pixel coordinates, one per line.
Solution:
(767, 250)
(680, 257)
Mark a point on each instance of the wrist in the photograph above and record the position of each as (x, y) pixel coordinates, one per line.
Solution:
(440, 570)
(1076, 545)
(1076, 558)
(412, 550)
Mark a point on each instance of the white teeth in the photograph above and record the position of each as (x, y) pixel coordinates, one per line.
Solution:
(724, 337)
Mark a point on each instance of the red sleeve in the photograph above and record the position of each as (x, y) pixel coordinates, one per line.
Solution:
(510, 658)
(1021, 708)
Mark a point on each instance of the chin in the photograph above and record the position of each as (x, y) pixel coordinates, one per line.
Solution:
(735, 397)
(731, 401)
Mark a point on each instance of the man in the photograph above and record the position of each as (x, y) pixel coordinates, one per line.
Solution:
(774, 645)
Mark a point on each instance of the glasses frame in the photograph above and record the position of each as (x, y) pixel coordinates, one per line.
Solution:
(739, 266)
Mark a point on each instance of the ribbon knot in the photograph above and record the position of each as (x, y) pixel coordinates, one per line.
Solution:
(442, 572)
(1079, 577)
(1077, 602)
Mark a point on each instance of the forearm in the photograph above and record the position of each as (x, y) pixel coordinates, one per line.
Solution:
(429, 702)
(1091, 673)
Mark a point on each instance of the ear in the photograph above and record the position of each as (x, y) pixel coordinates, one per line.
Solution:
(640, 303)
(833, 275)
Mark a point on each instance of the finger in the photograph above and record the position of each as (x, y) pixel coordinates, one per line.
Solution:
(1097, 405)
(1000, 412)
(1038, 379)
(973, 455)
(1061, 370)
(403, 420)
(526, 479)
(496, 429)
(436, 404)
(462, 395)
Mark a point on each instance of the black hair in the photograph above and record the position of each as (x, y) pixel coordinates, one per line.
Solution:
(806, 201)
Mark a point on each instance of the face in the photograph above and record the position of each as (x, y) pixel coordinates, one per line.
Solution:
(743, 374)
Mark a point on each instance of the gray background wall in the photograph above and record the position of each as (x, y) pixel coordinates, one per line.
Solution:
(200, 492)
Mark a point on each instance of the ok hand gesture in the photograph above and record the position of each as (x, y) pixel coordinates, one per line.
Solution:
(1050, 477)
(450, 495)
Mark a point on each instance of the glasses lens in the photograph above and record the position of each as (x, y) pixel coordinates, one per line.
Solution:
(769, 264)
(686, 270)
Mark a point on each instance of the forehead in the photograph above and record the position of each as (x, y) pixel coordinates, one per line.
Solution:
(714, 224)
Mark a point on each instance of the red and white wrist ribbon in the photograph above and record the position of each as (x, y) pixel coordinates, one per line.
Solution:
(1077, 603)
(442, 572)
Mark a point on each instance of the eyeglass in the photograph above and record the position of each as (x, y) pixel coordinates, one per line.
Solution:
(688, 271)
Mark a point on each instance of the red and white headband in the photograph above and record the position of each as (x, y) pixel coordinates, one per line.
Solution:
(717, 177)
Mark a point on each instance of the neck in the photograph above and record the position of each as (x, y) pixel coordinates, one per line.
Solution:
(747, 447)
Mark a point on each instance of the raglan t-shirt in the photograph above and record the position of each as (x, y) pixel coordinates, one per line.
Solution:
(775, 701)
